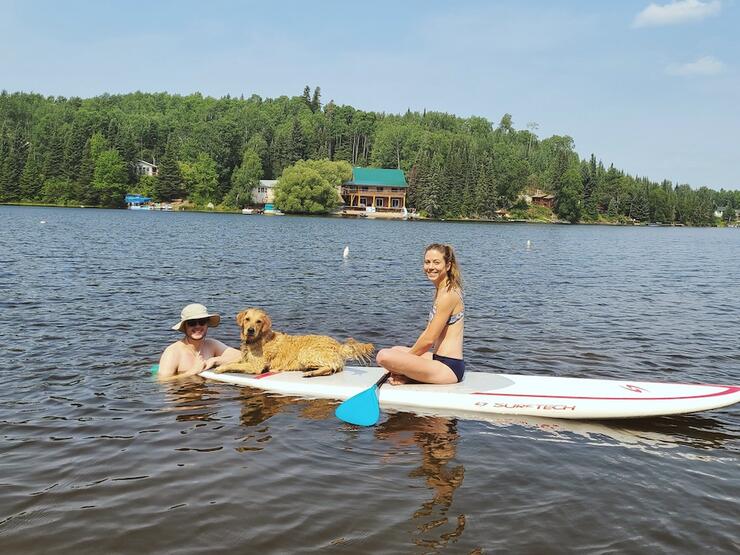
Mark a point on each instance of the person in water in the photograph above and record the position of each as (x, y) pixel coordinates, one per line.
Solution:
(194, 352)
(437, 356)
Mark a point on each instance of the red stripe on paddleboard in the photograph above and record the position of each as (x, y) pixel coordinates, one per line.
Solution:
(265, 375)
(729, 390)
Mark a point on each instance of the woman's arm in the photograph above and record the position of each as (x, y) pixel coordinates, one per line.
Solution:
(445, 305)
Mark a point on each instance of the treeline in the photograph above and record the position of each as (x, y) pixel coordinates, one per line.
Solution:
(83, 151)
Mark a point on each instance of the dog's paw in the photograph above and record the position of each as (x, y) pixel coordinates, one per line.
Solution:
(321, 372)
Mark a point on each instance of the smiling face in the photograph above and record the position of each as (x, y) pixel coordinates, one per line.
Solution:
(196, 329)
(435, 266)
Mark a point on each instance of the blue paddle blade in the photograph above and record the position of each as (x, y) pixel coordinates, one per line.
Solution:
(362, 409)
(154, 369)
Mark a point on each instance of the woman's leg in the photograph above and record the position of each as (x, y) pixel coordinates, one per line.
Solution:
(400, 363)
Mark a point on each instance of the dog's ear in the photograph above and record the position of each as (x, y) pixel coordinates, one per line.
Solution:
(240, 318)
(266, 322)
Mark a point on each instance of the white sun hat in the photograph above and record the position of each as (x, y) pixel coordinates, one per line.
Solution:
(196, 311)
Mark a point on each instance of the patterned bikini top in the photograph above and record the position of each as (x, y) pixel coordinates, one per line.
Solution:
(454, 317)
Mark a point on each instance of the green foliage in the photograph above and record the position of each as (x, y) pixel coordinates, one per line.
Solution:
(455, 167)
(310, 187)
(146, 186)
(568, 200)
(244, 179)
(109, 179)
(169, 183)
(533, 213)
(201, 179)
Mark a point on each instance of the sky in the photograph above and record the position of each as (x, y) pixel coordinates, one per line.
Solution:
(652, 87)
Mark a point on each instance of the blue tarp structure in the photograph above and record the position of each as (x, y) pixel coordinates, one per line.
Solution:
(137, 199)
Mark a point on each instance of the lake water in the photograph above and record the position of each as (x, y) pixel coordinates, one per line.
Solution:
(97, 457)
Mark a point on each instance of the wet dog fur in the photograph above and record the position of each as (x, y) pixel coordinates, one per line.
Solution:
(264, 349)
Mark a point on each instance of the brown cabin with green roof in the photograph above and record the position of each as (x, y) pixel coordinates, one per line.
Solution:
(378, 187)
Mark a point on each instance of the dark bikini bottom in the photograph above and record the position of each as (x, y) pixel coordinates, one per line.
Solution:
(457, 365)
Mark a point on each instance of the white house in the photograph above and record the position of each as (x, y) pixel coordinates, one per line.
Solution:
(142, 167)
(264, 193)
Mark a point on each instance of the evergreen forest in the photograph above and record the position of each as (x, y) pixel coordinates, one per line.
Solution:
(75, 151)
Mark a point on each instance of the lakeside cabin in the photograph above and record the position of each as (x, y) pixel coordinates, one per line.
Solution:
(378, 190)
(142, 167)
(543, 199)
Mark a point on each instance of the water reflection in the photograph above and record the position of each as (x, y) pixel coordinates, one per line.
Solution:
(259, 406)
(436, 438)
(656, 434)
(192, 400)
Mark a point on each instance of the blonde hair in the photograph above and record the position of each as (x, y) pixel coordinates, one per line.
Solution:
(454, 277)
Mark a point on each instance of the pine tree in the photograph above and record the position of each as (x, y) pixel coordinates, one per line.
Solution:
(85, 193)
(169, 184)
(12, 160)
(54, 159)
(74, 149)
(316, 100)
(297, 143)
(31, 179)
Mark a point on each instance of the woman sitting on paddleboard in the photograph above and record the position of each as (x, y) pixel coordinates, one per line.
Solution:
(437, 356)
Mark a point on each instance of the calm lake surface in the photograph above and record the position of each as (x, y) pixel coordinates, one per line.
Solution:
(97, 457)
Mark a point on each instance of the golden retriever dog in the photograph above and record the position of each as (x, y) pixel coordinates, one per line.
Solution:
(264, 349)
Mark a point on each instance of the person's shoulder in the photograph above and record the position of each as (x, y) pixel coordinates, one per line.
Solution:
(175, 347)
(212, 342)
(453, 294)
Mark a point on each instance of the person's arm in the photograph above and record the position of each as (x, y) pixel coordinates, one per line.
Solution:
(427, 339)
(224, 355)
(168, 363)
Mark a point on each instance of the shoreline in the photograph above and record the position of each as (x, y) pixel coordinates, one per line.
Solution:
(386, 217)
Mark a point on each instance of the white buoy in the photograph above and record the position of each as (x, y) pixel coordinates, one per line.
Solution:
(345, 254)
(529, 244)
(42, 222)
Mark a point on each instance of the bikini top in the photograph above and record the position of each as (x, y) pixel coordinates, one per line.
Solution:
(453, 318)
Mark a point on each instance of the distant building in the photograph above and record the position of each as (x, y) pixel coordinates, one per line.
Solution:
(381, 189)
(543, 199)
(264, 193)
(142, 167)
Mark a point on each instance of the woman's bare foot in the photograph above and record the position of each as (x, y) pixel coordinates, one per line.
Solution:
(397, 379)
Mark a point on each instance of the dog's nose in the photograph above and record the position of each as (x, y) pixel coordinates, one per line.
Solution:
(250, 331)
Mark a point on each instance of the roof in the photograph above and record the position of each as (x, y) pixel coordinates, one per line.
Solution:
(136, 198)
(378, 176)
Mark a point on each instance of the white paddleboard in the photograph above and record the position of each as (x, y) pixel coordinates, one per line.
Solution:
(484, 393)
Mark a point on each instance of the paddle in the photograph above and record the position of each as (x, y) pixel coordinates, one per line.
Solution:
(362, 409)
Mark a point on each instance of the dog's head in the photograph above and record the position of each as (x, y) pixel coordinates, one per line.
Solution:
(255, 324)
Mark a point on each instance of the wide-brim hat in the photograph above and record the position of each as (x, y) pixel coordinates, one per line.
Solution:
(196, 311)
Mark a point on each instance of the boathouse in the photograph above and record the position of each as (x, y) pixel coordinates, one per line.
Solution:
(380, 189)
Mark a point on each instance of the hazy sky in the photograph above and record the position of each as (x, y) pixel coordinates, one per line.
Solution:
(651, 87)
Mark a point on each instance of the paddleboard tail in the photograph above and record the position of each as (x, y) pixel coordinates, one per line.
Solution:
(353, 349)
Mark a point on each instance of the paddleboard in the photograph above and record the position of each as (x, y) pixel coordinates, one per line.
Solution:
(484, 393)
